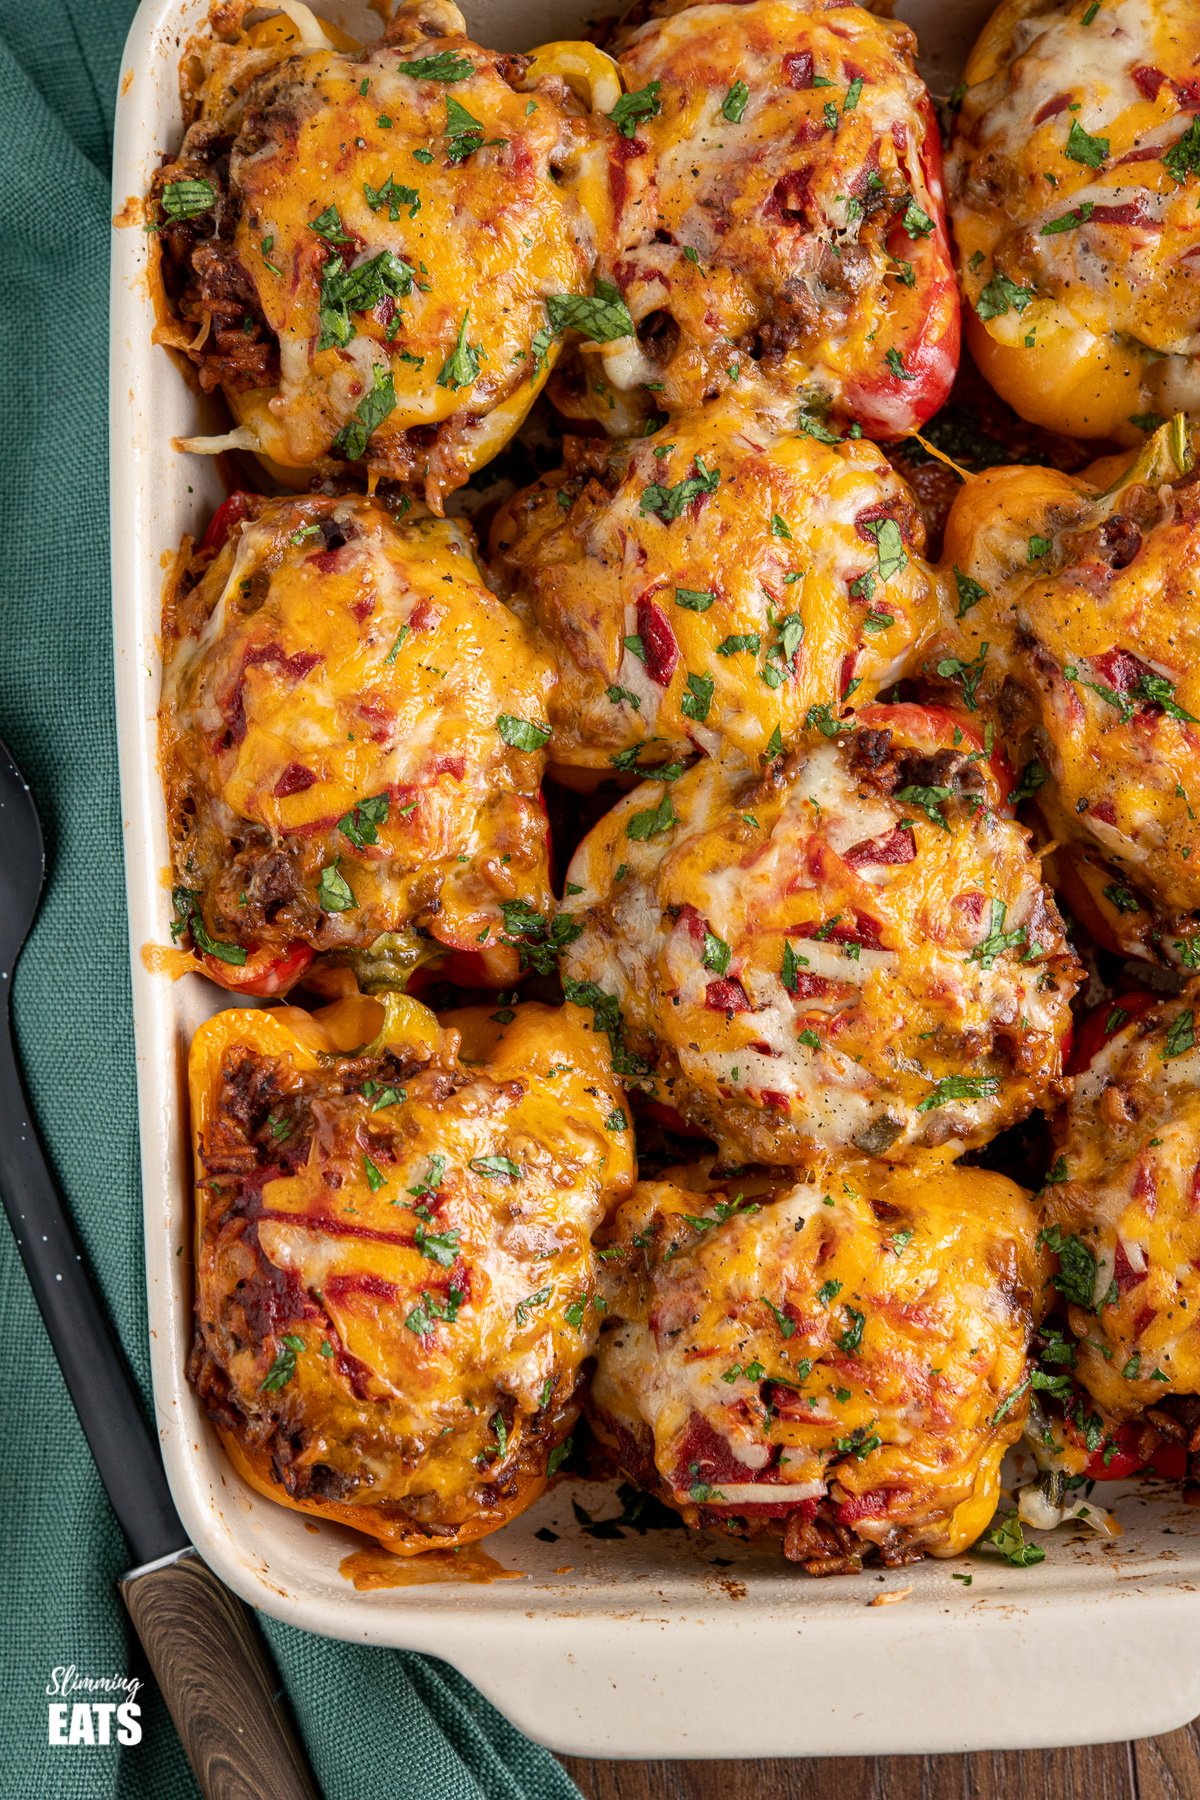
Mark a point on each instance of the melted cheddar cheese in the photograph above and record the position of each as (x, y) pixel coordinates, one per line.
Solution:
(343, 705)
(777, 223)
(1085, 642)
(1073, 182)
(395, 1272)
(842, 1359)
(851, 950)
(396, 219)
(709, 585)
(1122, 1201)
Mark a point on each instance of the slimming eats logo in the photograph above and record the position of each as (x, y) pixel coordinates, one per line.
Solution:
(113, 1718)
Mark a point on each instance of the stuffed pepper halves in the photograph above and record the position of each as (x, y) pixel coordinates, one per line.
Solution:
(832, 1365)
(777, 223)
(396, 1283)
(851, 950)
(352, 729)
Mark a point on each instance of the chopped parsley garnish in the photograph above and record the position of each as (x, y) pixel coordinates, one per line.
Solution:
(860, 1443)
(895, 363)
(1009, 1540)
(431, 1311)
(696, 600)
(541, 942)
(929, 799)
(375, 1176)
(915, 221)
(1076, 1278)
(333, 891)
(608, 1018)
(558, 1455)
(620, 695)
(828, 1291)
(574, 1313)
(374, 407)
(668, 502)
(359, 824)
(960, 1087)
(431, 1181)
(743, 641)
(329, 226)
(1006, 1405)
(461, 367)
(188, 199)
(814, 428)
(696, 702)
(952, 668)
(716, 953)
(522, 734)
(997, 940)
(631, 108)
(1183, 158)
(645, 825)
(1069, 221)
(790, 974)
(447, 65)
(393, 196)
(1000, 295)
(852, 94)
(1083, 148)
(345, 291)
(539, 1299)
(970, 593)
(284, 1366)
(851, 1339)
(600, 317)
(497, 1166)
(1033, 776)
(779, 528)
(1121, 898)
(463, 132)
(1181, 1037)
(786, 1326)
(734, 104)
(188, 918)
(442, 1249)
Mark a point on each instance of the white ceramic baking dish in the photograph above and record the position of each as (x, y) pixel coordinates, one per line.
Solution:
(660, 1644)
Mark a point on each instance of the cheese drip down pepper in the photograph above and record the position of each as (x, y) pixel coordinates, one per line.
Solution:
(352, 731)
(850, 950)
(833, 1366)
(394, 1266)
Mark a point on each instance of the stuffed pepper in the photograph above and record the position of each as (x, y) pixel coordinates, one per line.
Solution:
(374, 253)
(395, 1279)
(714, 583)
(352, 734)
(849, 950)
(833, 1366)
(777, 220)
(1074, 176)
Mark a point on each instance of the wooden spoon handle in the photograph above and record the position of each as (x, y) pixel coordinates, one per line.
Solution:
(216, 1676)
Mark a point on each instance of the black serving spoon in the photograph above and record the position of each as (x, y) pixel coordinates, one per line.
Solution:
(202, 1644)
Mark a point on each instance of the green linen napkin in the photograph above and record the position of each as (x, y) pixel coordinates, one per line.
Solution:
(379, 1724)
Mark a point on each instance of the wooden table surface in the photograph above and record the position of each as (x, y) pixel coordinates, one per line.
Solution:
(1165, 1768)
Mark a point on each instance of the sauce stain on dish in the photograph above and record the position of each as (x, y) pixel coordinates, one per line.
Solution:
(161, 959)
(378, 1568)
